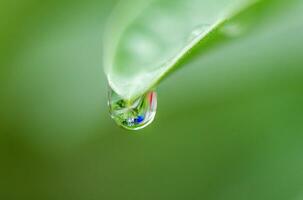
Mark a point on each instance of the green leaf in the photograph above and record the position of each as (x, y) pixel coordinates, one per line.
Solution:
(146, 40)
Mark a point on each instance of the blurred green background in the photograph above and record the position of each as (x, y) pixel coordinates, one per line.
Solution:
(229, 122)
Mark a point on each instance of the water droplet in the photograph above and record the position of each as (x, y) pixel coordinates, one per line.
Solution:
(232, 30)
(135, 114)
(198, 31)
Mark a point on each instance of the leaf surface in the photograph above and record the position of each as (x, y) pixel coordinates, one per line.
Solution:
(145, 40)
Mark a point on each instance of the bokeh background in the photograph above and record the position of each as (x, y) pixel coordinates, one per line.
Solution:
(229, 122)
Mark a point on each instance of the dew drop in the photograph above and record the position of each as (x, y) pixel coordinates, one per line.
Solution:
(135, 114)
(197, 31)
(232, 30)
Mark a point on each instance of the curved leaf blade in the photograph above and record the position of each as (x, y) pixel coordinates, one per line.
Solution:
(145, 46)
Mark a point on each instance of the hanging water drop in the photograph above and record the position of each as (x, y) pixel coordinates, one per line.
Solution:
(135, 114)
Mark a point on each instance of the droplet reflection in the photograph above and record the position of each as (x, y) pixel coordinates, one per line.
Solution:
(133, 115)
